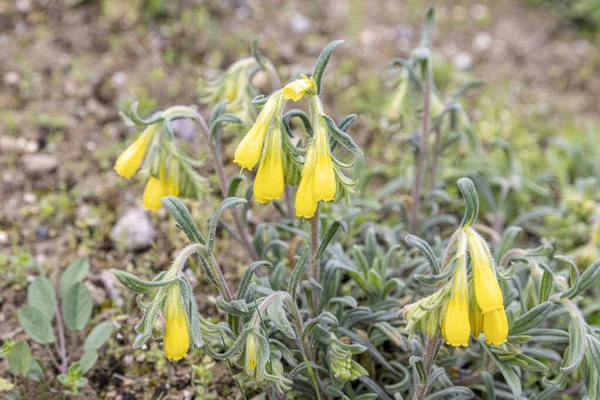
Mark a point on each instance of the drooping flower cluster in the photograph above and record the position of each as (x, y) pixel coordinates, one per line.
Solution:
(235, 86)
(468, 305)
(154, 153)
(281, 163)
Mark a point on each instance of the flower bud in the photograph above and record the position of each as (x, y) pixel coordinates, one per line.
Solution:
(130, 160)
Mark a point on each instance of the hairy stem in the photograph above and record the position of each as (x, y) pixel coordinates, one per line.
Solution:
(414, 222)
(430, 353)
(434, 156)
(64, 360)
(224, 184)
(313, 261)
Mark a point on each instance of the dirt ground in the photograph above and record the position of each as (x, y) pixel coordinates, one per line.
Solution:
(67, 66)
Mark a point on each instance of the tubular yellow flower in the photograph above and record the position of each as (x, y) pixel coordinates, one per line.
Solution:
(130, 160)
(251, 354)
(487, 291)
(248, 151)
(476, 320)
(173, 184)
(298, 88)
(495, 327)
(269, 182)
(455, 324)
(176, 340)
(155, 190)
(318, 177)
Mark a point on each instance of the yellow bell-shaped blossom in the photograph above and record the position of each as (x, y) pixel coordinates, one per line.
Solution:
(156, 189)
(269, 182)
(476, 320)
(298, 88)
(455, 324)
(248, 151)
(487, 291)
(251, 354)
(130, 160)
(318, 177)
(495, 327)
(177, 339)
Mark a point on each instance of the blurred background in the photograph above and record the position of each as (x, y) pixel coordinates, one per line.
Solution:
(68, 66)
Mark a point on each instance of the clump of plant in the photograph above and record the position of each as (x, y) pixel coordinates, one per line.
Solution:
(336, 303)
(55, 319)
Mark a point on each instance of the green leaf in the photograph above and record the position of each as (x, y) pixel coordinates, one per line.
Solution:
(576, 348)
(41, 295)
(229, 202)
(424, 247)
(573, 274)
(297, 273)
(546, 285)
(234, 184)
(593, 345)
(36, 325)
(138, 285)
(88, 360)
(98, 336)
(454, 392)
(75, 273)
(184, 219)
(467, 188)
(511, 377)
(285, 119)
(276, 313)
(341, 137)
(77, 307)
(19, 359)
(589, 276)
(247, 278)
(488, 382)
(428, 27)
(335, 226)
(531, 318)
(323, 61)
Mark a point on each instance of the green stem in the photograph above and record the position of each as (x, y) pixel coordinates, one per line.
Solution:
(313, 260)
(414, 223)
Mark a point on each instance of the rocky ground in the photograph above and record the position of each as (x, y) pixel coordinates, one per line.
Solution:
(67, 66)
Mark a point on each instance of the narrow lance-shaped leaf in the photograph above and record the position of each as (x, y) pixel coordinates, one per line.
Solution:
(424, 247)
(184, 219)
(342, 137)
(531, 318)
(229, 202)
(329, 235)
(323, 61)
(138, 285)
(467, 188)
(573, 275)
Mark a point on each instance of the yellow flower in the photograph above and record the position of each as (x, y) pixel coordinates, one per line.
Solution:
(251, 354)
(269, 182)
(130, 160)
(495, 327)
(318, 177)
(455, 324)
(487, 291)
(155, 190)
(476, 320)
(248, 151)
(298, 88)
(172, 180)
(176, 340)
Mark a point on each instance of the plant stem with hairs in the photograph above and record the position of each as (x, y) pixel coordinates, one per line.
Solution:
(414, 222)
(313, 260)
(224, 184)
